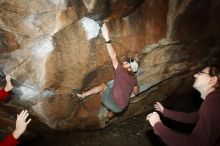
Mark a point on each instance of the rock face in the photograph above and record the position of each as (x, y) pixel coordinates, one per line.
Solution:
(51, 47)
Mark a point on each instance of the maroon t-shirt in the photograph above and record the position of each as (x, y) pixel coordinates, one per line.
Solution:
(123, 86)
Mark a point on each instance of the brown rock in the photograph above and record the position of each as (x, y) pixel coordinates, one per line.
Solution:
(46, 47)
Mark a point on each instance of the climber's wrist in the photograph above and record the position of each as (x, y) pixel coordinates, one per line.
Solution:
(108, 41)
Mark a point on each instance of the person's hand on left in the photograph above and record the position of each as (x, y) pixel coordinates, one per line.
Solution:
(8, 86)
(21, 124)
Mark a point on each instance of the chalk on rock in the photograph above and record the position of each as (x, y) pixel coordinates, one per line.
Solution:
(47, 93)
(91, 27)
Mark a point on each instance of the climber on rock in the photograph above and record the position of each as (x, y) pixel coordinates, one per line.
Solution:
(5, 91)
(115, 94)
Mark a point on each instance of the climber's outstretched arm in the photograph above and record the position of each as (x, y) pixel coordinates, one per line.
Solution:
(110, 49)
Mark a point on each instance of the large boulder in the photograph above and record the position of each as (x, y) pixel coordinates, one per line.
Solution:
(53, 48)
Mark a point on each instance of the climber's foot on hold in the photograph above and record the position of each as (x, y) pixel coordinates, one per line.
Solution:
(109, 116)
(80, 96)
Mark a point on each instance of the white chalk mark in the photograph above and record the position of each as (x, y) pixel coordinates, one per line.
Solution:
(28, 93)
(91, 27)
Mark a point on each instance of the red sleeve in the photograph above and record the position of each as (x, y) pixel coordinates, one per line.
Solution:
(189, 118)
(9, 141)
(3, 94)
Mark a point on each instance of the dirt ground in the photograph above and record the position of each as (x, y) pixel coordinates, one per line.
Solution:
(133, 132)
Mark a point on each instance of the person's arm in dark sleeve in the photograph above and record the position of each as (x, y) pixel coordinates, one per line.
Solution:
(184, 117)
(177, 116)
(9, 141)
(205, 133)
(172, 138)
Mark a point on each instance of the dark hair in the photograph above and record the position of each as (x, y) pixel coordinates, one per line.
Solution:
(214, 70)
(129, 60)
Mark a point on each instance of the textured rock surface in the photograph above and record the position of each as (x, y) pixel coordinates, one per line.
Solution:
(45, 46)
